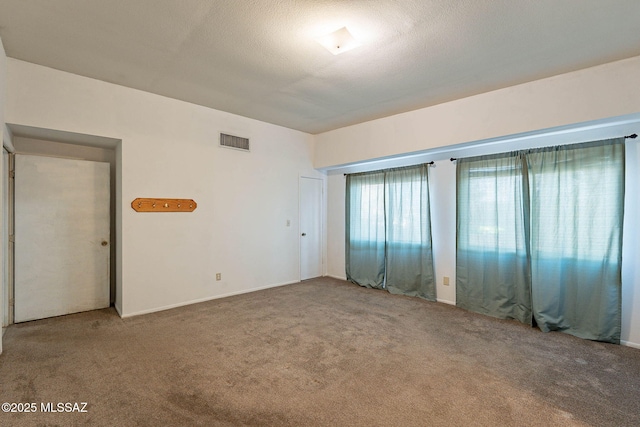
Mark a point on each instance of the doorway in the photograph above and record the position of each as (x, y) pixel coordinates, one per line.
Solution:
(25, 140)
(311, 194)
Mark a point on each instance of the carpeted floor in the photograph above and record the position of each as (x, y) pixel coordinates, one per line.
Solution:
(319, 353)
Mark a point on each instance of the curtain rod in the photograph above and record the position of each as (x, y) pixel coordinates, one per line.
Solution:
(428, 163)
(632, 136)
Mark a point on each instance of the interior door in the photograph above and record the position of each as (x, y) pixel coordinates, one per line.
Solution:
(310, 228)
(61, 236)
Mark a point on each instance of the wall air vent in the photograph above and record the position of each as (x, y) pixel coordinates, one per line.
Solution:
(231, 141)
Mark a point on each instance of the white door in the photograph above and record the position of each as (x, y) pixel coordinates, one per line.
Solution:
(310, 228)
(61, 236)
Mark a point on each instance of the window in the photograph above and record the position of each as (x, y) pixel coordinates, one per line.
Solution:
(493, 210)
(540, 237)
(388, 231)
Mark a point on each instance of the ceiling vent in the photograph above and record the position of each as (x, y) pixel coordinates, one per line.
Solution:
(231, 141)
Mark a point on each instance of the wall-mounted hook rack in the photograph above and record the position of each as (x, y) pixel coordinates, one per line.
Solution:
(163, 205)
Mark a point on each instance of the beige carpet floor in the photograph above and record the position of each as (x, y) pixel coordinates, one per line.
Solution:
(319, 353)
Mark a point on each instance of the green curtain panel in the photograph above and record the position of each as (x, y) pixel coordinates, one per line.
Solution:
(539, 236)
(365, 229)
(388, 231)
(492, 265)
(409, 256)
(577, 204)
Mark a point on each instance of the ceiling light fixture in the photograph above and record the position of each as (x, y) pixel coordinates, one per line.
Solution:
(339, 41)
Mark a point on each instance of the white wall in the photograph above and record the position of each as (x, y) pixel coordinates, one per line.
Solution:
(607, 90)
(3, 78)
(442, 197)
(170, 149)
(631, 247)
(534, 112)
(336, 226)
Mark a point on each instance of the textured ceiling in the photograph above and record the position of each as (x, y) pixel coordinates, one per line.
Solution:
(259, 59)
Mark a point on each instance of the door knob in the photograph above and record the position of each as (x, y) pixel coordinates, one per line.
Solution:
(104, 243)
(304, 234)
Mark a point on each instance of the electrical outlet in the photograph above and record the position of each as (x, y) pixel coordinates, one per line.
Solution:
(218, 276)
(445, 281)
(288, 223)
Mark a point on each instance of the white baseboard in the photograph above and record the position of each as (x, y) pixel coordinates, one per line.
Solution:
(118, 309)
(195, 301)
(336, 277)
(630, 344)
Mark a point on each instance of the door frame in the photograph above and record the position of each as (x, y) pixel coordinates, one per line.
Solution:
(7, 214)
(58, 143)
(322, 225)
(8, 238)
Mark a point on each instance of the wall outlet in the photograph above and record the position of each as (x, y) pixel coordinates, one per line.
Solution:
(445, 281)
(218, 276)
(288, 223)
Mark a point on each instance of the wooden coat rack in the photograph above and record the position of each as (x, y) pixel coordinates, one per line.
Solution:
(163, 205)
